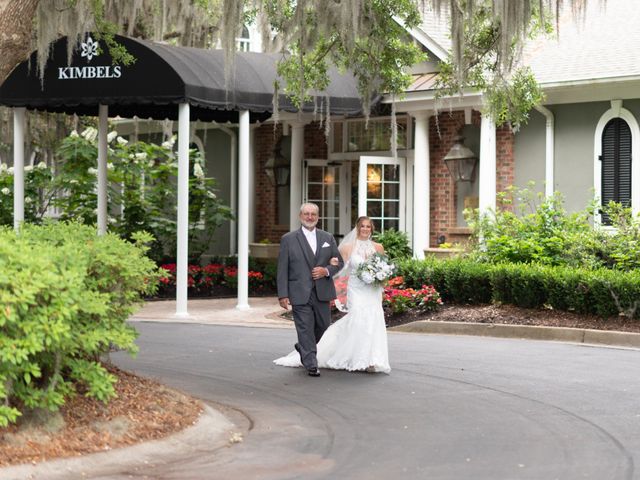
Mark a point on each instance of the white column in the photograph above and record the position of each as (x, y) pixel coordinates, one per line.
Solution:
(243, 211)
(297, 157)
(549, 149)
(18, 166)
(421, 186)
(182, 254)
(487, 176)
(103, 126)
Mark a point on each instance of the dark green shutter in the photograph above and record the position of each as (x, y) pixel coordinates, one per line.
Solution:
(616, 164)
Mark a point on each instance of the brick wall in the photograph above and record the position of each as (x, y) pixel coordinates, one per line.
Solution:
(505, 161)
(443, 198)
(442, 215)
(315, 146)
(266, 215)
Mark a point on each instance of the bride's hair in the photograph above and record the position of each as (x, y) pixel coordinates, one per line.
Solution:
(362, 219)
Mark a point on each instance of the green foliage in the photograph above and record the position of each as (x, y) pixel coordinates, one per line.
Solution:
(534, 229)
(395, 243)
(458, 280)
(360, 36)
(65, 296)
(140, 193)
(619, 247)
(604, 292)
(485, 65)
(37, 193)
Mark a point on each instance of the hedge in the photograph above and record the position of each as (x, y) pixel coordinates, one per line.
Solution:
(602, 292)
(65, 296)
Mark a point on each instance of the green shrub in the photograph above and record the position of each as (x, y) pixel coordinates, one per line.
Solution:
(395, 243)
(457, 279)
(523, 285)
(66, 295)
(602, 292)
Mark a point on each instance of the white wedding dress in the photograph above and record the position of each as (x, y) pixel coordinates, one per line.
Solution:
(357, 341)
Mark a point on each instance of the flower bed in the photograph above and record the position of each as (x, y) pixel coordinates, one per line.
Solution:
(399, 299)
(213, 280)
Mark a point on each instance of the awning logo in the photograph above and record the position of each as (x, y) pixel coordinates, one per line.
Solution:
(89, 49)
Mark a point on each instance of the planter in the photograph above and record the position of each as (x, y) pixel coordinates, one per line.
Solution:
(443, 252)
(264, 250)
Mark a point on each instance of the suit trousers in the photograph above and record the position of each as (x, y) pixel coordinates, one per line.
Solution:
(311, 320)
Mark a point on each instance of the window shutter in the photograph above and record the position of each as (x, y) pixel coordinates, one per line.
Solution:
(616, 164)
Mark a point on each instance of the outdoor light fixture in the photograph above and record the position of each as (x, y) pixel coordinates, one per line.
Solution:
(277, 168)
(461, 161)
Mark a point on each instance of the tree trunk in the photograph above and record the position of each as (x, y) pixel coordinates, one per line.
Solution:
(16, 29)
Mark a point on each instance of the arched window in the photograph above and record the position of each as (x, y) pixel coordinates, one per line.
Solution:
(615, 162)
(244, 40)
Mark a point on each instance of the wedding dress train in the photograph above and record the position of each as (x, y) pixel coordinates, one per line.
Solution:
(357, 341)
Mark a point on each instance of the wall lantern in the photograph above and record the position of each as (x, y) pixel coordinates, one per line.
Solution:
(461, 161)
(277, 168)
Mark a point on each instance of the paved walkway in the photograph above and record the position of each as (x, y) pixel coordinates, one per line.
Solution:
(265, 312)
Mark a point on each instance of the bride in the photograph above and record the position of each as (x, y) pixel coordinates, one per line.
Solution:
(358, 341)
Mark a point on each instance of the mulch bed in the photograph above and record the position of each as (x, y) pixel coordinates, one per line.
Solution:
(510, 315)
(143, 410)
(506, 315)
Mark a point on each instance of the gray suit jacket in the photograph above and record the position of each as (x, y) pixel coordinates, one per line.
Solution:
(295, 262)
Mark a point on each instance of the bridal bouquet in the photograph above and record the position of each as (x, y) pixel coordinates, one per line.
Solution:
(375, 270)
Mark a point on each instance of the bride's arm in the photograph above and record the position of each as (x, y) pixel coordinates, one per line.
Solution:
(379, 248)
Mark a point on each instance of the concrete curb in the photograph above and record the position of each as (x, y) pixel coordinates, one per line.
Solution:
(212, 431)
(559, 334)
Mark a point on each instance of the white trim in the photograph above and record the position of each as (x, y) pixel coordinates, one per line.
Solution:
(549, 164)
(295, 175)
(182, 233)
(103, 127)
(421, 185)
(424, 39)
(487, 176)
(617, 111)
(19, 114)
(243, 210)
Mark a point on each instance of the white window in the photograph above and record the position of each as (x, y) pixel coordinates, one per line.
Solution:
(244, 40)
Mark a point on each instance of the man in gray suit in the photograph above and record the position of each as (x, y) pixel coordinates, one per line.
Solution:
(305, 282)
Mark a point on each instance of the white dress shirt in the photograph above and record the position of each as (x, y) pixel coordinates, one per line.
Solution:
(311, 238)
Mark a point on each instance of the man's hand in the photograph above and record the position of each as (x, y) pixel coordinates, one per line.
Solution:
(319, 272)
(284, 303)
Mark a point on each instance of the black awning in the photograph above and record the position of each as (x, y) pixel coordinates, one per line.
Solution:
(162, 77)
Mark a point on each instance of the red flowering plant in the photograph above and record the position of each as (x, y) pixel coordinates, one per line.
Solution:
(399, 299)
(211, 275)
(204, 280)
(169, 277)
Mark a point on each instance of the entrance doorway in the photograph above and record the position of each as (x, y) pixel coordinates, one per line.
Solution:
(382, 191)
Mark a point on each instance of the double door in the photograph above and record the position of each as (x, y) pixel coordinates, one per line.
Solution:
(377, 187)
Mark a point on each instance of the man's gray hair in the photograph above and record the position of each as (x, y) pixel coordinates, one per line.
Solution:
(309, 204)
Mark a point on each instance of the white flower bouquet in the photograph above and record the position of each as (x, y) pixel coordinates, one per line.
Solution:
(375, 270)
